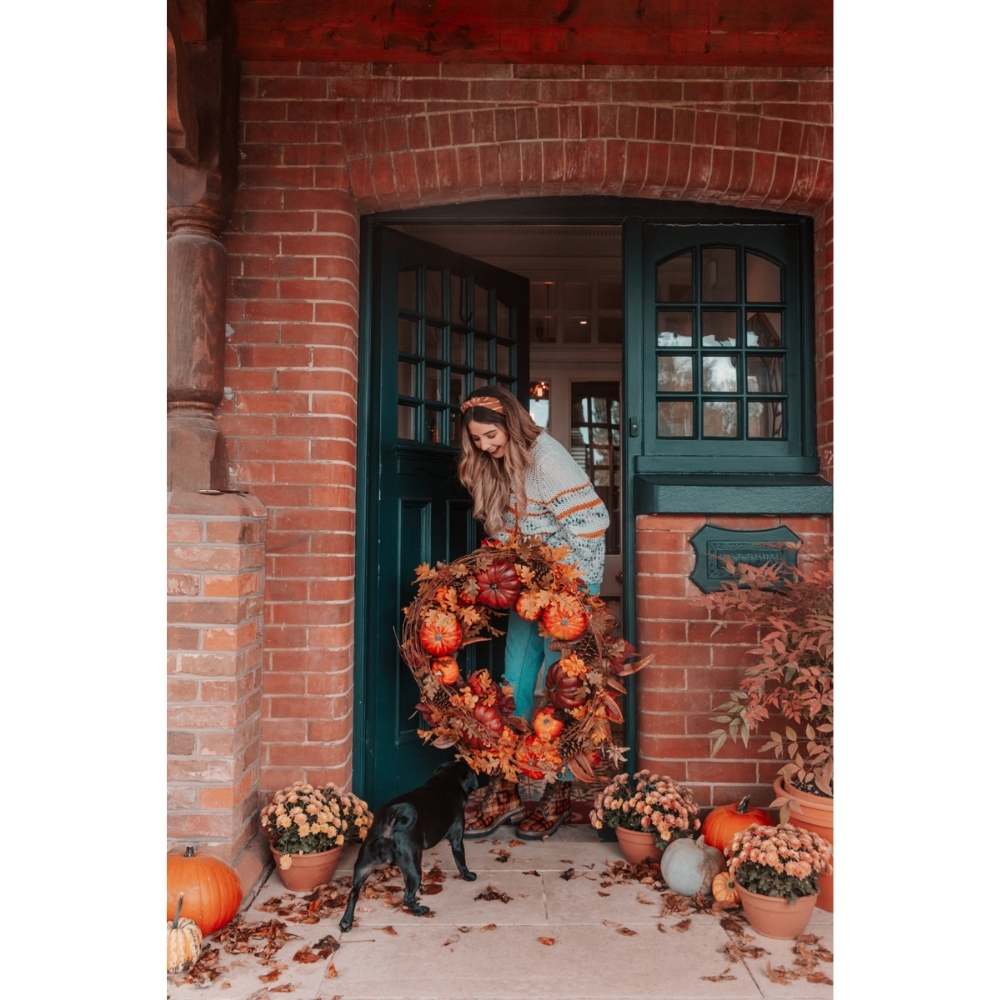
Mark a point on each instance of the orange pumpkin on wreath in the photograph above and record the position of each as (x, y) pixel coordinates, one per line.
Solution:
(446, 669)
(440, 634)
(547, 727)
(564, 618)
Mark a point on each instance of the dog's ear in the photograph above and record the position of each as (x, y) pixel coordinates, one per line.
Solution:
(470, 780)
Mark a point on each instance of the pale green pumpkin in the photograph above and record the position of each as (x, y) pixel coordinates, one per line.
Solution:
(689, 866)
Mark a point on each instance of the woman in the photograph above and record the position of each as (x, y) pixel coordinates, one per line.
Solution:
(519, 476)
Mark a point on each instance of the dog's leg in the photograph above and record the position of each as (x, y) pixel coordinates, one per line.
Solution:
(409, 864)
(362, 869)
(456, 837)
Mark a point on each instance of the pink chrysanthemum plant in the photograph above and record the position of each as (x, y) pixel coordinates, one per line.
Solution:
(782, 861)
(304, 819)
(648, 803)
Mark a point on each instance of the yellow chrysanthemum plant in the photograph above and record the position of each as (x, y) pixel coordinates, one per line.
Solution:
(647, 803)
(305, 819)
(465, 602)
(782, 861)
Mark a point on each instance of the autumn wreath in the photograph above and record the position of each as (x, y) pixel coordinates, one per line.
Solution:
(458, 604)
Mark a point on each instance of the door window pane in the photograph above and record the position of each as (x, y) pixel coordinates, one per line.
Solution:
(406, 290)
(718, 329)
(609, 295)
(482, 309)
(675, 373)
(765, 374)
(674, 279)
(766, 419)
(435, 384)
(675, 418)
(482, 354)
(720, 419)
(437, 426)
(718, 274)
(457, 388)
(407, 336)
(576, 296)
(406, 422)
(763, 329)
(503, 359)
(543, 329)
(763, 279)
(434, 301)
(503, 319)
(435, 342)
(459, 355)
(719, 374)
(454, 428)
(673, 329)
(407, 379)
(459, 313)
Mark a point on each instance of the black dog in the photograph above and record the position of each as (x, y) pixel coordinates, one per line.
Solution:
(404, 827)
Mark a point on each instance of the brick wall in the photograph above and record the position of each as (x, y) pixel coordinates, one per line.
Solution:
(322, 143)
(215, 563)
(693, 671)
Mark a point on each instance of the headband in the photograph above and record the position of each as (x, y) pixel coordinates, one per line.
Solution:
(487, 402)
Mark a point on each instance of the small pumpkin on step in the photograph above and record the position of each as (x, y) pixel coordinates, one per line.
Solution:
(724, 889)
(183, 942)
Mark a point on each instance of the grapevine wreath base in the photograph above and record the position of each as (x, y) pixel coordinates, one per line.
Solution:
(458, 604)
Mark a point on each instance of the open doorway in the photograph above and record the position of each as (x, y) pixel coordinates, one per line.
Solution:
(576, 337)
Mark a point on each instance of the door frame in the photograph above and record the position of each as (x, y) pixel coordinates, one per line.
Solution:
(629, 214)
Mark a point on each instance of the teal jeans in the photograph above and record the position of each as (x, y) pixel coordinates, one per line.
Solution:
(528, 652)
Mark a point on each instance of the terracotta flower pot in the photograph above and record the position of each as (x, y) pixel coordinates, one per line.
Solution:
(813, 813)
(307, 870)
(775, 916)
(637, 845)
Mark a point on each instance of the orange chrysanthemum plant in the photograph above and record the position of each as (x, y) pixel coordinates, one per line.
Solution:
(458, 604)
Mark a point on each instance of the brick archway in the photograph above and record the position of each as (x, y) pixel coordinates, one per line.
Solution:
(323, 143)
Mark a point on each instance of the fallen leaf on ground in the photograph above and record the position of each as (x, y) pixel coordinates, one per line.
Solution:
(661, 928)
(488, 927)
(819, 977)
(627, 931)
(732, 924)
(532, 872)
(808, 939)
(449, 940)
(568, 874)
(390, 930)
(565, 861)
(270, 977)
(434, 875)
(682, 925)
(720, 978)
(501, 855)
(599, 893)
(463, 930)
(611, 923)
(305, 954)
(645, 902)
(517, 843)
(779, 974)
(547, 940)
(491, 892)
(287, 988)
(431, 889)
(331, 971)
(741, 948)
(205, 970)
(326, 946)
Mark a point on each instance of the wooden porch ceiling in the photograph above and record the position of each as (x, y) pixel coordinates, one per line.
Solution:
(608, 32)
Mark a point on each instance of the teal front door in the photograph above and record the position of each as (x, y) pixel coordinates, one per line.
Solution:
(442, 325)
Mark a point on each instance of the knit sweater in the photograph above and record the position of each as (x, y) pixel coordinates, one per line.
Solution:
(563, 508)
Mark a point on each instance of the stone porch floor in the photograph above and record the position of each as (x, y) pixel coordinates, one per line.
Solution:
(450, 956)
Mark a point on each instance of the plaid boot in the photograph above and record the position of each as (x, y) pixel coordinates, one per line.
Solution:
(489, 807)
(544, 817)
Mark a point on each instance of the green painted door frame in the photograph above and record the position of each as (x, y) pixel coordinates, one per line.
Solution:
(631, 215)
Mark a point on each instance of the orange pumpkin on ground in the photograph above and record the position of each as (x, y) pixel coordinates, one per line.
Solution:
(440, 633)
(446, 669)
(547, 727)
(724, 822)
(724, 889)
(211, 889)
(565, 619)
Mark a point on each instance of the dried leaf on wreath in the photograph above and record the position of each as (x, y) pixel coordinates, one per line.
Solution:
(547, 940)
(682, 925)
(722, 977)
(491, 892)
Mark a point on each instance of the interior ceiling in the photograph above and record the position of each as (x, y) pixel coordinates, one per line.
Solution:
(602, 32)
(531, 251)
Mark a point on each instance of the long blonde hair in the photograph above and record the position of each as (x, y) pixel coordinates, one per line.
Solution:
(492, 481)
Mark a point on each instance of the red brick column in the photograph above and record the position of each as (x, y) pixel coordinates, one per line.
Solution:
(693, 671)
(215, 586)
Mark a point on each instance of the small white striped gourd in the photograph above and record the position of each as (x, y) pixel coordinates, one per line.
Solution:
(183, 942)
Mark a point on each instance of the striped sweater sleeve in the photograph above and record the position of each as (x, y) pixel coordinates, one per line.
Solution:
(570, 498)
